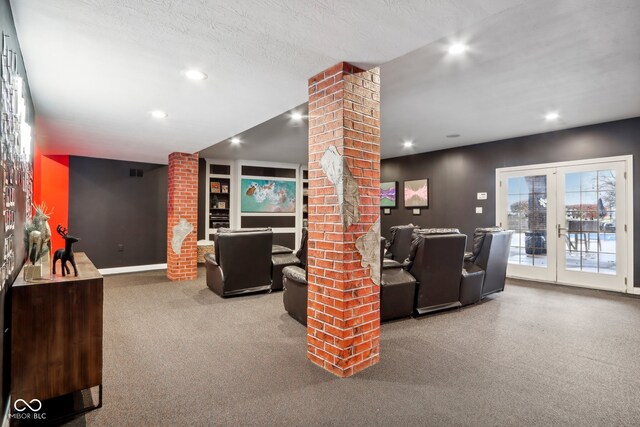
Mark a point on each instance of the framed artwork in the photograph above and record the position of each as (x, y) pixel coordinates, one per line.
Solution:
(267, 196)
(225, 188)
(388, 194)
(222, 205)
(215, 187)
(416, 193)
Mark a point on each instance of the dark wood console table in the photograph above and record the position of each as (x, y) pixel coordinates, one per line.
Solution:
(56, 340)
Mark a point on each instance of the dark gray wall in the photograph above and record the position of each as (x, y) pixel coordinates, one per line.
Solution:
(7, 27)
(456, 175)
(108, 208)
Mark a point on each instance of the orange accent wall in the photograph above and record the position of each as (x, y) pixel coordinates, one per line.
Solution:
(51, 185)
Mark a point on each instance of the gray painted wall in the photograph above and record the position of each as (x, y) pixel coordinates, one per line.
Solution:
(456, 175)
(107, 208)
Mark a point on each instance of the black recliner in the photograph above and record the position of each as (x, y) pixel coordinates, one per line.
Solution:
(282, 259)
(488, 259)
(294, 283)
(435, 260)
(397, 290)
(295, 296)
(398, 245)
(241, 263)
(494, 259)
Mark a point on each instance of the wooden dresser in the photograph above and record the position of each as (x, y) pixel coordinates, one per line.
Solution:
(56, 340)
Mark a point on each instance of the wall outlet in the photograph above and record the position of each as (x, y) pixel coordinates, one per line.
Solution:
(479, 209)
(120, 247)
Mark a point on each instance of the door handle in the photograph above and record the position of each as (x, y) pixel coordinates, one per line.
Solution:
(560, 230)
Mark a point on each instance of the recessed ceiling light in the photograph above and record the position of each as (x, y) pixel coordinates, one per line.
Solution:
(235, 140)
(408, 144)
(296, 115)
(453, 135)
(551, 116)
(195, 75)
(458, 48)
(158, 114)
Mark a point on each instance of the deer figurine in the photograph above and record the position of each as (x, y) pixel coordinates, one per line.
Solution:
(65, 255)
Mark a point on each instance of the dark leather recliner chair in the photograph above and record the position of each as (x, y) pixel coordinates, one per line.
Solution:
(282, 259)
(493, 258)
(294, 282)
(398, 245)
(241, 263)
(435, 260)
(397, 290)
(294, 296)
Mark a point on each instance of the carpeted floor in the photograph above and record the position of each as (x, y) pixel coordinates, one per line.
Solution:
(177, 354)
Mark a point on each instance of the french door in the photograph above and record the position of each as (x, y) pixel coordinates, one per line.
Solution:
(570, 222)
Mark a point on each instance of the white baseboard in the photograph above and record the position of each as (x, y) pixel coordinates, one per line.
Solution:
(132, 269)
(631, 290)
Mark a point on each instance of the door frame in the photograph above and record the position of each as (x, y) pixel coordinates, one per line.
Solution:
(628, 159)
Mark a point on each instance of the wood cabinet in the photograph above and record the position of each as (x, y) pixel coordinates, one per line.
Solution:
(56, 340)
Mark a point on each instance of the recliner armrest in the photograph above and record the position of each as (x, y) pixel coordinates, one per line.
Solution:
(279, 250)
(215, 276)
(211, 258)
(469, 268)
(295, 273)
(390, 263)
(468, 256)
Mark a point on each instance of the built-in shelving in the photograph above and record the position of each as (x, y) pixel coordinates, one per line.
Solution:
(224, 182)
(219, 196)
(305, 197)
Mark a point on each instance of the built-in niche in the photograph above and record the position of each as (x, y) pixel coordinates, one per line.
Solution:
(249, 194)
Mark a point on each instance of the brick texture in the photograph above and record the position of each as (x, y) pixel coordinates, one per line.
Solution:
(182, 203)
(343, 316)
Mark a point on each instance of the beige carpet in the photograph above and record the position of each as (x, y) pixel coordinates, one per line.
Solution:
(177, 354)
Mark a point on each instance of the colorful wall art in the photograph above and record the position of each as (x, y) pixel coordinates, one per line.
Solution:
(416, 193)
(267, 196)
(388, 194)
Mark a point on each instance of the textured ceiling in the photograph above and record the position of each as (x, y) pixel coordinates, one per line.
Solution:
(97, 67)
(578, 57)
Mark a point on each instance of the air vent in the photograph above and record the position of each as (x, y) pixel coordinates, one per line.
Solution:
(136, 172)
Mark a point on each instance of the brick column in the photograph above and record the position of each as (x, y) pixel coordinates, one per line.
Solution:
(182, 205)
(343, 316)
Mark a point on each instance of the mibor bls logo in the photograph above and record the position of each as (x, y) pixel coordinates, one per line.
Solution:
(20, 407)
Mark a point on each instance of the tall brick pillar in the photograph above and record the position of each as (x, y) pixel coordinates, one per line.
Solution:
(182, 217)
(343, 316)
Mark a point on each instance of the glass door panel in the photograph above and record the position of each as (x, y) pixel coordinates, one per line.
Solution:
(524, 210)
(591, 199)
